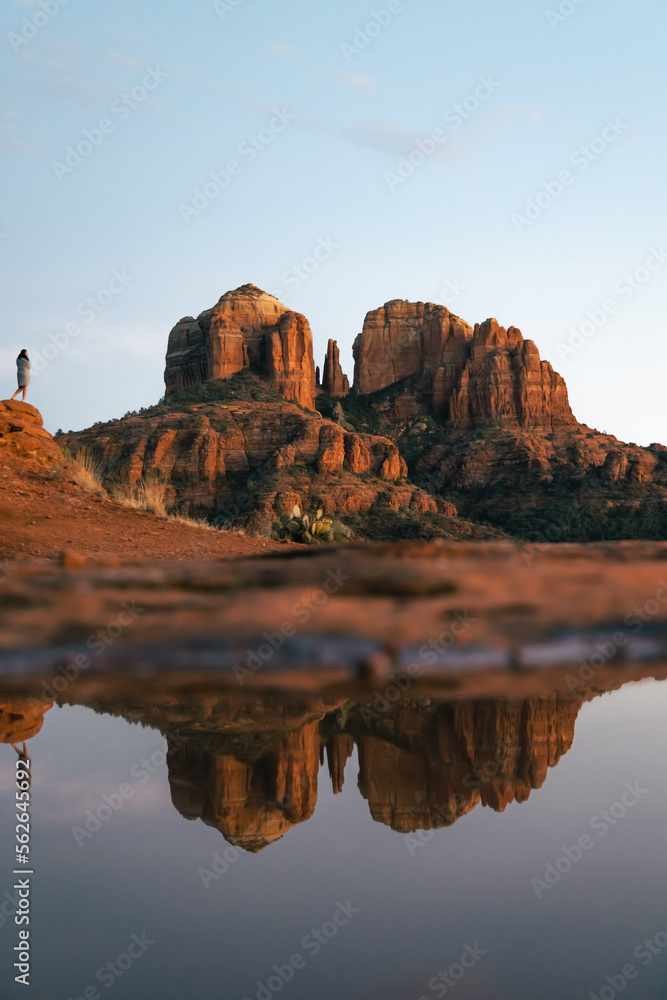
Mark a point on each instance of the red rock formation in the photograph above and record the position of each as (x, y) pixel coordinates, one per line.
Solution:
(422, 770)
(334, 381)
(22, 433)
(470, 376)
(290, 368)
(251, 802)
(421, 767)
(246, 329)
(21, 719)
(340, 748)
(202, 453)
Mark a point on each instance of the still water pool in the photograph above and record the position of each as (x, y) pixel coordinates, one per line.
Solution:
(478, 849)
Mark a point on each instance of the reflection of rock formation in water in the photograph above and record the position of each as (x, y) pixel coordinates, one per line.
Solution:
(252, 799)
(423, 769)
(250, 768)
(21, 719)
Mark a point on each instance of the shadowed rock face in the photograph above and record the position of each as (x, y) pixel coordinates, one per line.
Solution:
(471, 376)
(246, 329)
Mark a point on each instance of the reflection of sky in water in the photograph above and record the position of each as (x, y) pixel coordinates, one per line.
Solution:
(470, 883)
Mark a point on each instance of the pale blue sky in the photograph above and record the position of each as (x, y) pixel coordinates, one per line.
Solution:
(550, 89)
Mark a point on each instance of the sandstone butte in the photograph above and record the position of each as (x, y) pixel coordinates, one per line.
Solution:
(439, 413)
(246, 329)
(470, 375)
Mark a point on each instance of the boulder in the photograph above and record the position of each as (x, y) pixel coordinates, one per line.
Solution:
(22, 433)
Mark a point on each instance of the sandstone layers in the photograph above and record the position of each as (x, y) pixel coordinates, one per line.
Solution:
(439, 412)
(470, 375)
(246, 329)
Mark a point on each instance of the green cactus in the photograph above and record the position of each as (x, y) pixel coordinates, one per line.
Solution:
(308, 530)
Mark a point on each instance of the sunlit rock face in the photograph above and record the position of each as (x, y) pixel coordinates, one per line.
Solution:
(470, 375)
(247, 328)
(334, 381)
(22, 433)
(21, 719)
(252, 802)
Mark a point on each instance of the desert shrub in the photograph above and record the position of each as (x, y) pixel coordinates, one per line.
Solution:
(307, 529)
(148, 494)
(81, 468)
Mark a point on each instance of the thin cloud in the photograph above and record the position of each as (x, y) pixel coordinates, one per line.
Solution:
(386, 136)
(357, 80)
(283, 49)
(10, 139)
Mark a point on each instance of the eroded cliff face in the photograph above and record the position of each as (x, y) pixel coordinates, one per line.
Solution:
(205, 451)
(467, 376)
(246, 329)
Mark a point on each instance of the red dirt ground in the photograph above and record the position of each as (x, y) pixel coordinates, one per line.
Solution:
(43, 517)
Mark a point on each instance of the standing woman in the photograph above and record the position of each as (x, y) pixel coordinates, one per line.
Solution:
(23, 373)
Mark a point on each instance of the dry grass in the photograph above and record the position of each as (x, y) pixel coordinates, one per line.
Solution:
(147, 494)
(192, 522)
(81, 469)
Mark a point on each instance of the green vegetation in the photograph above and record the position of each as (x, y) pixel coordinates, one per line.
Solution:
(308, 530)
(569, 509)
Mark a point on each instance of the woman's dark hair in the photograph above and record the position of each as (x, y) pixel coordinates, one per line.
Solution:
(23, 354)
